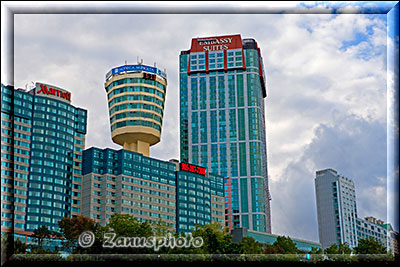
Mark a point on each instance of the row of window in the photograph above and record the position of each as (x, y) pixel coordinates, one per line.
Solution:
(148, 184)
(145, 213)
(136, 123)
(47, 203)
(136, 106)
(147, 191)
(57, 119)
(238, 158)
(135, 80)
(61, 112)
(56, 126)
(142, 205)
(220, 131)
(135, 114)
(221, 94)
(136, 98)
(14, 174)
(128, 89)
(215, 54)
(148, 198)
(215, 60)
(129, 157)
(46, 211)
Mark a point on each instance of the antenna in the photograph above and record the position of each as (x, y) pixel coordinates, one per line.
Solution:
(126, 62)
(155, 65)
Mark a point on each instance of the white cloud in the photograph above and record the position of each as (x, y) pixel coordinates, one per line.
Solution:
(350, 147)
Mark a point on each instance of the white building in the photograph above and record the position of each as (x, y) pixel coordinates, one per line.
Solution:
(337, 213)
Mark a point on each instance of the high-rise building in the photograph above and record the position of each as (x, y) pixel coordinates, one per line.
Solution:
(42, 139)
(178, 194)
(136, 97)
(337, 213)
(222, 121)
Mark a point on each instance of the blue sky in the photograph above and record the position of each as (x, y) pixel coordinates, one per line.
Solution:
(327, 84)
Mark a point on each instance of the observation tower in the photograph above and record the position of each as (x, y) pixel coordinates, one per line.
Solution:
(136, 98)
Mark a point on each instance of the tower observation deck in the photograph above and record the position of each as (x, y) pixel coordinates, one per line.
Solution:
(136, 98)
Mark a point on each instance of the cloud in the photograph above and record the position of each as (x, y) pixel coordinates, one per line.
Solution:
(350, 147)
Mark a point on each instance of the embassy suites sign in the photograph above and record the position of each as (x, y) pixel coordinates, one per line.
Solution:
(52, 91)
(216, 43)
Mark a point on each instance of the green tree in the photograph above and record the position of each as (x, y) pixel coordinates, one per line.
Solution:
(72, 228)
(127, 225)
(160, 228)
(249, 245)
(315, 250)
(285, 245)
(316, 254)
(19, 247)
(344, 249)
(338, 253)
(216, 239)
(270, 249)
(41, 234)
(333, 249)
(369, 246)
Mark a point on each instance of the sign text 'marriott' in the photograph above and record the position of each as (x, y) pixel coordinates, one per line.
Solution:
(55, 92)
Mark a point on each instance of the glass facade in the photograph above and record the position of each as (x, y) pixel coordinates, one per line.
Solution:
(42, 140)
(222, 111)
(127, 182)
(199, 200)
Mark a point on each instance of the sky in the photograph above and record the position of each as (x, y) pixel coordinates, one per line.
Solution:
(328, 102)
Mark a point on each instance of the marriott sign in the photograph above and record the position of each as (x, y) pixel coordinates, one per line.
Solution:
(52, 92)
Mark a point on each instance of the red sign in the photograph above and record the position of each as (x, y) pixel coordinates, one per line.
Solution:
(193, 168)
(216, 43)
(53, 91)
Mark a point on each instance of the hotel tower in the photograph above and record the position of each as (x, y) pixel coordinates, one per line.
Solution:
(42, 140)
(136, 97)
(222, 122)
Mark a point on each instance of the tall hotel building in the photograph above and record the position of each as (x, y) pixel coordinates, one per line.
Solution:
(222, 121)
(129, 181)
(42, 140)
(136, 97)
(337, 213)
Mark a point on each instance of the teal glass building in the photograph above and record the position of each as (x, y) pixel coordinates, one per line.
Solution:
(42, 140)
(127, 182)
(222, 122)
